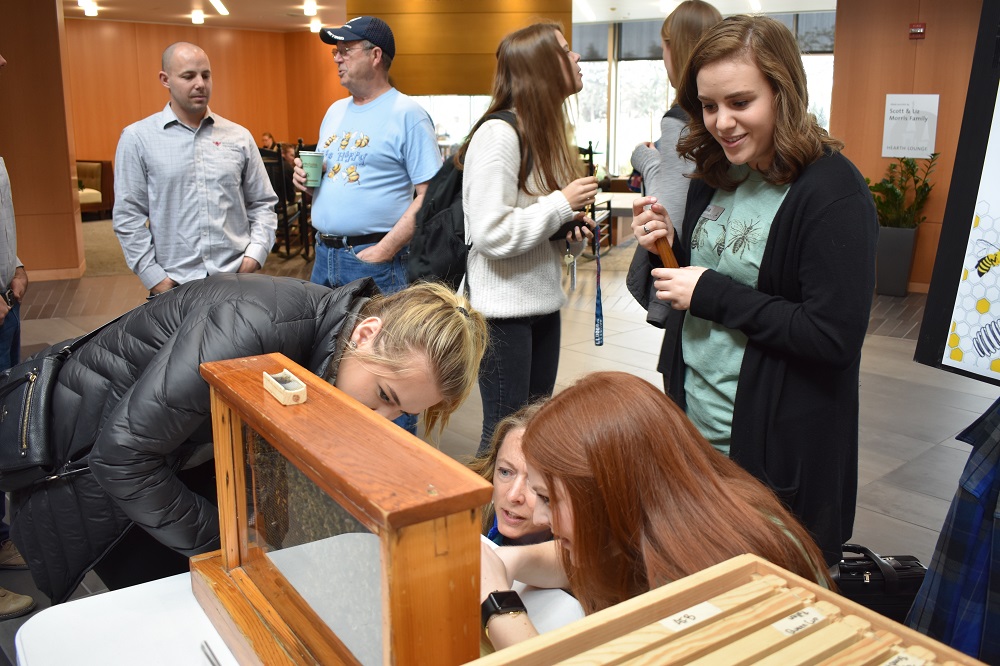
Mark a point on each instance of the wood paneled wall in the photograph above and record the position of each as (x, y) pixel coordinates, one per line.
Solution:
(283, 83)
(874, 57)
(36, 139)
(114, 68)
(449, 46)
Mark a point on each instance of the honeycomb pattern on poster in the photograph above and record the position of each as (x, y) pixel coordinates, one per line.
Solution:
(974, 337)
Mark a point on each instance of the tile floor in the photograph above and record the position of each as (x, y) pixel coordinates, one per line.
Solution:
(910, 461)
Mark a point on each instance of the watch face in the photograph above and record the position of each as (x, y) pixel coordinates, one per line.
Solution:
(501, 601)
(506, 599)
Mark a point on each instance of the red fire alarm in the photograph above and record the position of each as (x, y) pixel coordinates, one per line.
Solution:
(918, 30)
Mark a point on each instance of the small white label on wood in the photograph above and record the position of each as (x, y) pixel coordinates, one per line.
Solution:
(690, 616)
(798, 621)
(904, 660)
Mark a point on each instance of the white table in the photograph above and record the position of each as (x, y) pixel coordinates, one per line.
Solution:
(621, 202)
(150, 624)
(162, 623)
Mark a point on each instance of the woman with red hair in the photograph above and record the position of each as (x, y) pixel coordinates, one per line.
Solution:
(636, 498)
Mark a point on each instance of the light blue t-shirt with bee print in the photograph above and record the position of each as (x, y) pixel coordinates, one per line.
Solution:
(729, 238)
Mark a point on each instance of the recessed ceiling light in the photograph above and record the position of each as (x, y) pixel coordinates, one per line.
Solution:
(315, 25)
(309, 9)
(197, 17)
(90, 9)
(219, 7)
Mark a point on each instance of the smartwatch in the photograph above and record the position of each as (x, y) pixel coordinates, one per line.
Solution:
(501, 602)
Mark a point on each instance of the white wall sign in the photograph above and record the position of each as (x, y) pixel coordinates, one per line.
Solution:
(910, 125)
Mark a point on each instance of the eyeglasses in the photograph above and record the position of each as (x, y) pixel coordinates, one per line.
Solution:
(345, 53)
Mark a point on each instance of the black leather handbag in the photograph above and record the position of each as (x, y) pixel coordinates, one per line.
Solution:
(25, 410)
(887, 585)
(26, 415)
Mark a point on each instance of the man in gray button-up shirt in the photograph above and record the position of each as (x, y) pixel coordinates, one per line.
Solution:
(199, 181)
(13, 282)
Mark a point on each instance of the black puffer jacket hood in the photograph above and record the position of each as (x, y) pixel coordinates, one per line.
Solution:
(133, 404)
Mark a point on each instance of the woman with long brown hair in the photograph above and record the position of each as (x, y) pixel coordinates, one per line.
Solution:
(777, 277)
(665, 172)
(636, 498)
(521, 185)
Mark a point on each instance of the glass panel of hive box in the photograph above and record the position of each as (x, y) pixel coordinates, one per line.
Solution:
(328, 556)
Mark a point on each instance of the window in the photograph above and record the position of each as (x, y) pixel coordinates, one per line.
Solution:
(819, 81)
(642, 100)
(453, 117)
(636, 74)
(640, 40)
(591, 117)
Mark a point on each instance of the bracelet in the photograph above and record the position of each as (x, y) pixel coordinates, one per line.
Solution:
(486, 628)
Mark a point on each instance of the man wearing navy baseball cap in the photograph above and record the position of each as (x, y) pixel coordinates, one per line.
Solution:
(380, 149)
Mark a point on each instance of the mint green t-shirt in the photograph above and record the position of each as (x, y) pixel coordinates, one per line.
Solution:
(729, 238)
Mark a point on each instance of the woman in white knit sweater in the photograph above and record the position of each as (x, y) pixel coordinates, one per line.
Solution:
(520, 188)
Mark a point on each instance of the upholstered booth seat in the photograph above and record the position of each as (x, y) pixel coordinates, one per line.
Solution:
(97, 187)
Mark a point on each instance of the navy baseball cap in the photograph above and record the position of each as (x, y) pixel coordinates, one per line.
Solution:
(374, 29)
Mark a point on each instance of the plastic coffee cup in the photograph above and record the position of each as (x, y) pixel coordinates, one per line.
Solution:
(312, 163)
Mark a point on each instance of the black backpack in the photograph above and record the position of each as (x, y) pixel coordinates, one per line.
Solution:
(438, 250)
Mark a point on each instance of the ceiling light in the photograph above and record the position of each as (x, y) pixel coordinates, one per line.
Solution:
(90, 9)
(83, 3)
(315, 25)
(197, 17)
(309, 9)
(755, 6)
(219, 7)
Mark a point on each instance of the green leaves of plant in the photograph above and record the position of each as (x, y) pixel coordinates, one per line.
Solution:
(901, 195)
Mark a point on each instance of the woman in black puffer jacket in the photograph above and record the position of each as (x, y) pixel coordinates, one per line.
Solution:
(131, 406)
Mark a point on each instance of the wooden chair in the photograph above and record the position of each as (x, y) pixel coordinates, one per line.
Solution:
(289, 214)
(305, 207)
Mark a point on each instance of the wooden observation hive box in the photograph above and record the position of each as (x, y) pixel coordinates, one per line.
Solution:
(744, 611)
(344, 538)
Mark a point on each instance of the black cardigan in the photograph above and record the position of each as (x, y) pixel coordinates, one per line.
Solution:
(795, 419)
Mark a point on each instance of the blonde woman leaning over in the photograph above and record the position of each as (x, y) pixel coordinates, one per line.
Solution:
(135, 412)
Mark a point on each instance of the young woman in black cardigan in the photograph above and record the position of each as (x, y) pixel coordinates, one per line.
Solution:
(772, 301)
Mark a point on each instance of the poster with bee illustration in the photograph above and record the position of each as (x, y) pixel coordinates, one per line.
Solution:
(960, 331)
(973, 340)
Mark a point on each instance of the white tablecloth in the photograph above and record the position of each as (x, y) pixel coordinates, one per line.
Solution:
(150, 624)
(162, 623)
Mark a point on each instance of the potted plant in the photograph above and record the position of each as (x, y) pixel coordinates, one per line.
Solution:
(899, 201)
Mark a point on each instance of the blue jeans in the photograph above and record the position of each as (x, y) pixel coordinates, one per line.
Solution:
(336, 267)
(519, 367)
(10, 355)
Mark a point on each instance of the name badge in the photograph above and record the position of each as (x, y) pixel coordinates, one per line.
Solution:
(713, 212)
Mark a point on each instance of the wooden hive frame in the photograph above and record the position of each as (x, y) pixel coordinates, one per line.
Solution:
(742, 611)
(423, 506)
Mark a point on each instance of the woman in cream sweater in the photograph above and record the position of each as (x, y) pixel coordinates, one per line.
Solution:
(520, 188)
